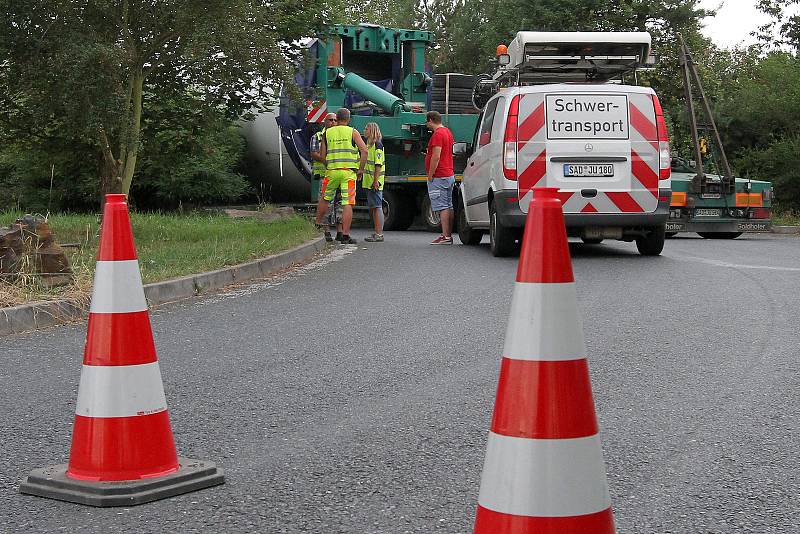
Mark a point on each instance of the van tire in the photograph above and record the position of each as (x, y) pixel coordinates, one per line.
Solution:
(653, 243)
(719, 235)
(592, 240)
(398, 211)
(466, 234)
(432, 221)
(502, 240)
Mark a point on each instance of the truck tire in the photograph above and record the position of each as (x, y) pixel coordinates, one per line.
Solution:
(398, 210)
(502, 240)
(719, 235)
(430, 218)
(459, 95)
(466, 234)
(461, 81)
(653, 243)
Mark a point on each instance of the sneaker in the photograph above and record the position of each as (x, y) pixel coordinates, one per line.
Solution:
(347, 240)
(442, 240)
(328, 237)
(374, 238)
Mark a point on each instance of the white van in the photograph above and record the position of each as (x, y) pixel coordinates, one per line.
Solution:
(567, 113)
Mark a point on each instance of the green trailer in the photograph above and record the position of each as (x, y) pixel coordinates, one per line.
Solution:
(716, 212)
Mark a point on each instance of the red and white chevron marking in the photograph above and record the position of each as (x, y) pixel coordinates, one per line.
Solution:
(642, 197)
(317, 111)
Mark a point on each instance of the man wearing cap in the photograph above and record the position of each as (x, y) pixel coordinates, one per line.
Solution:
(345, 155)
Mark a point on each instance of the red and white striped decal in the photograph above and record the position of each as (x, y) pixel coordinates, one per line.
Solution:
(122, 429)
(317, 111)
(641, 197)
(544, 469)
(531, 144)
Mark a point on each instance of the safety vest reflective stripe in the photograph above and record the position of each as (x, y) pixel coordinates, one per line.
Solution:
(340, 149)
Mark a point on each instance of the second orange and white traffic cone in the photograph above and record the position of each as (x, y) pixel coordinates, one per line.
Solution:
(544, 470)
(123, 452)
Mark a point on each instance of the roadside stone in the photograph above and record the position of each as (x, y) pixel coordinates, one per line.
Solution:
(786, 229)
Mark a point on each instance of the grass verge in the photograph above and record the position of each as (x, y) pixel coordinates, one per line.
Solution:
(168, 246)
(786, 218)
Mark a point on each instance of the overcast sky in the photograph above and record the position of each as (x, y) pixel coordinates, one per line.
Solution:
(734, 21)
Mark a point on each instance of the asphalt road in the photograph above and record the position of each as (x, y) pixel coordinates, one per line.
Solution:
(355, 394)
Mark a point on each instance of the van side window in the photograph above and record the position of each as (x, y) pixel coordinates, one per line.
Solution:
(488, 119)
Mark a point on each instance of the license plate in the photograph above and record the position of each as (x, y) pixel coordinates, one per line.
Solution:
(706, 213)
(572, 170)
(711, 195)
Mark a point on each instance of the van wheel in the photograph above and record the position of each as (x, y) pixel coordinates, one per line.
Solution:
(502, 240)
(431, 218)
(719, 235)
(592, 240)
(466, 234)
(398, 211)
(653, 243)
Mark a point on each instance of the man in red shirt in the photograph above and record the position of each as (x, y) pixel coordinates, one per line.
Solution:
(441, 177)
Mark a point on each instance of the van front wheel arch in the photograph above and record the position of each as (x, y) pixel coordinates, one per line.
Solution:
(502, 240)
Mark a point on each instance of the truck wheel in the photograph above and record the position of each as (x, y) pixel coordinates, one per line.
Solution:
(592, 240)
(398, 211)
(653, 243)
(502, 240)
(719, 235)
(431, 219)
(467, 235)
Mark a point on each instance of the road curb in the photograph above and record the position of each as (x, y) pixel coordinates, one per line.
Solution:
(786, 229)
(28, 317)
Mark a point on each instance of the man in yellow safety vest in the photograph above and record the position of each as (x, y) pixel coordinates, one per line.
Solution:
(319, 171)
(345, 155)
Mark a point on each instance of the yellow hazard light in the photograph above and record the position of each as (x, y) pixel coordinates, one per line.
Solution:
(678, 199)
(751, 200)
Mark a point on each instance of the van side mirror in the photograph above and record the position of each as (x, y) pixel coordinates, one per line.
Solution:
(460, 149)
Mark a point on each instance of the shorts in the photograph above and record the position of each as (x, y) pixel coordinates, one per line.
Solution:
(345, 181)
(374, 198)
(334, 214)
(440, 191)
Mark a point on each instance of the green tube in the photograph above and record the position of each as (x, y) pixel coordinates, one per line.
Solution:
(383, 99)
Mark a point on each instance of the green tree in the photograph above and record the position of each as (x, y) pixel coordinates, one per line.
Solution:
(83, 66)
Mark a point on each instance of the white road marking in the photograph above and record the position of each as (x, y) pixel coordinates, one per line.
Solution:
(720, 263)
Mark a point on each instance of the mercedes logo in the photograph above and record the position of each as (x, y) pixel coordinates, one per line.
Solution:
(588, 147)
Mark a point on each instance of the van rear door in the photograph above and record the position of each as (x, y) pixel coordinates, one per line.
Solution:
(597, 144)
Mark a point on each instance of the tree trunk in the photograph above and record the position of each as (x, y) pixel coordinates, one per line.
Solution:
(134, 129)
(110, 179)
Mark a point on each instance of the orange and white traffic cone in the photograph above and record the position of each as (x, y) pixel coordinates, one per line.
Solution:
(544, 469)
(123, 452)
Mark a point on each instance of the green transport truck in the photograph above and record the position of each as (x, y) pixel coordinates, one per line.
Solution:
(382, 75)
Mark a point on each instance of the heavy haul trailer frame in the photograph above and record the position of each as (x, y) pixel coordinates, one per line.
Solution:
(714, 206)
(382, 75)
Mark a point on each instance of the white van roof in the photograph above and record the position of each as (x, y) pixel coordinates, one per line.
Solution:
(576, 56)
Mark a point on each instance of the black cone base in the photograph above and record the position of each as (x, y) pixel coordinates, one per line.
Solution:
(53, 483)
